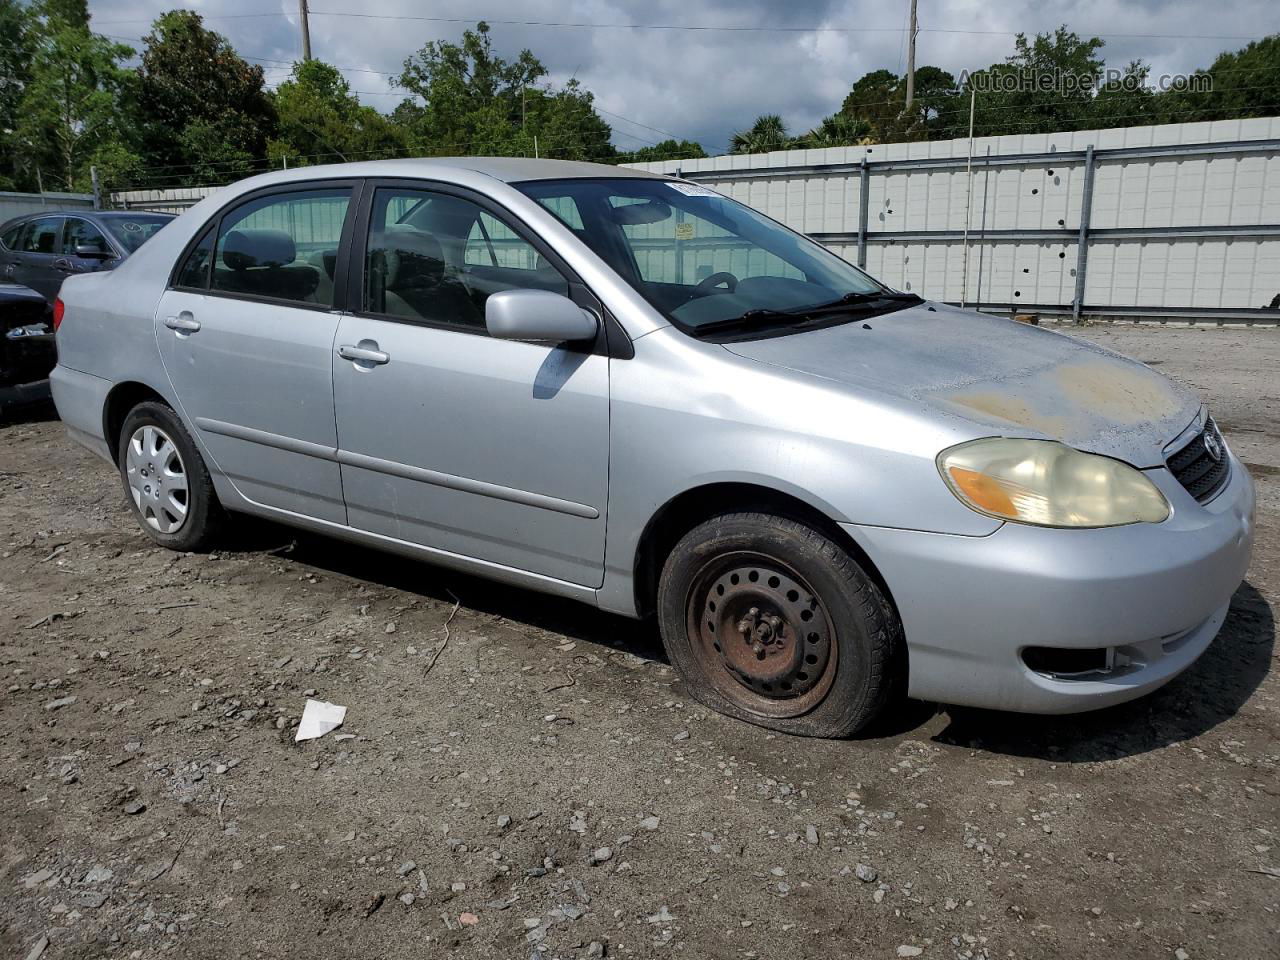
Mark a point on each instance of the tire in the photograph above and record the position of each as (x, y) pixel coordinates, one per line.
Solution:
(769, 621)
(166, 481)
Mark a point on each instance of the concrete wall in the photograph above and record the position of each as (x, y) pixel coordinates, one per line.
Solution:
(1182, 219)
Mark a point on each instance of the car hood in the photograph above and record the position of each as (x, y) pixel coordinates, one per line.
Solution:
(1004, 378)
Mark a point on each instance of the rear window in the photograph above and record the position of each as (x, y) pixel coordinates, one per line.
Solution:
(10, 237)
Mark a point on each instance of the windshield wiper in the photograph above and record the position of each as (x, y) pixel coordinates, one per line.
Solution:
(765, 316)
(759, 317)
(854, 299)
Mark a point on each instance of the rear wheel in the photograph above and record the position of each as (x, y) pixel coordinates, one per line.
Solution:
(770, 621)
(166, 480)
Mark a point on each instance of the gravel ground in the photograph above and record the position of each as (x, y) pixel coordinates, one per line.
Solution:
(519, 776)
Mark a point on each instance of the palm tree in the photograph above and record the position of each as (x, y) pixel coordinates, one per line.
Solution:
(837, 130)
(767, 133)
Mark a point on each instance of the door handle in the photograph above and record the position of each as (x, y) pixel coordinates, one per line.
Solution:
(182, 323)
(350, 351)
(62, 263)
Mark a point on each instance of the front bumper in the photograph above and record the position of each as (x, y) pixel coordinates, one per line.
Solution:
(1157, 592)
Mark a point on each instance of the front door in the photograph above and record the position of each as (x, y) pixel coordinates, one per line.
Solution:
(77, 235)
(246, 332)
(489, 449)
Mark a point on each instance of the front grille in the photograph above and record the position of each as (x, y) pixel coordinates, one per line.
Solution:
(1197, 468)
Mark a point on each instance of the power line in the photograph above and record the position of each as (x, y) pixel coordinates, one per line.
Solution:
(704, 28)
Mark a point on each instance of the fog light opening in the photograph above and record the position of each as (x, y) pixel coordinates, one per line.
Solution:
(1068, 664)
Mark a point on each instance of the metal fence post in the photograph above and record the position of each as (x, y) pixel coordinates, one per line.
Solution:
(1082, 240)
(864, 200)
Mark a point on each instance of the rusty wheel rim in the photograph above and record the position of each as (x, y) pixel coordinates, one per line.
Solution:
(766, 639)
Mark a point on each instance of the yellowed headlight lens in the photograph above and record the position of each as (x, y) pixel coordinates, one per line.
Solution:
(1049, 484)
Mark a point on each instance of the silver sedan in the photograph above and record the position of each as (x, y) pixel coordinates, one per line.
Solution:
(634, 392)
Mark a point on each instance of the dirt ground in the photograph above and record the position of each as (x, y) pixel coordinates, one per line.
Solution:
(519, 776)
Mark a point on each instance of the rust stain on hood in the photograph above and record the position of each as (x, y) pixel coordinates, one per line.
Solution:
(1000, 378)
(1095, 391)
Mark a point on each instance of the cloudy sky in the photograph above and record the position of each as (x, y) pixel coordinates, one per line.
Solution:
(796, 58)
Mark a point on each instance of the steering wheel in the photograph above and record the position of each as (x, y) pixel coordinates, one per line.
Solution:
(707, 284)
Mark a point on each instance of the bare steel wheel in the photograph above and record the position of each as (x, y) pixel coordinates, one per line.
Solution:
(166, 479)
(770, 620)
(767, 629)
(157, 479)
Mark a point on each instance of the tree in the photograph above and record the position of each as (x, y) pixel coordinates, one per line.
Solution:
(1047, 84)
(767, 133)
(666, 150)
(16, 49)
(1241, 84)
(74, 105)
(321, 121)
(204, 112)
(837, 130)
(464, 99)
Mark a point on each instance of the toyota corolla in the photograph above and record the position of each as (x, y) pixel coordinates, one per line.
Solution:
(632, 391)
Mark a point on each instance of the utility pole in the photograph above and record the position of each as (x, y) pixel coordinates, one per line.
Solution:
(306, 30)
(911, 54)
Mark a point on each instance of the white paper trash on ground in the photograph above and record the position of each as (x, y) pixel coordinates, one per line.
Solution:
(318, 718)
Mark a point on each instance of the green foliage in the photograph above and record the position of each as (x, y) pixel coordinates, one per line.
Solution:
(768, 132)
(467, 100)
(203, 112)
(197, 112)
(16, 44)
(666, 150)
(321, 121)
(75, 101)
(1245, 84)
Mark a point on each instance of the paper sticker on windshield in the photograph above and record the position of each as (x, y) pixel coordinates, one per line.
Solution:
(692, 190)
(684, 231)
(132, 227)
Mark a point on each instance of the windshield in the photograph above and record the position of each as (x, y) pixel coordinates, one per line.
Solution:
(705, 261)
(133, 231)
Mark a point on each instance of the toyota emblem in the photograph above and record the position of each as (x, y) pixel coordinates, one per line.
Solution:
(1213, 446)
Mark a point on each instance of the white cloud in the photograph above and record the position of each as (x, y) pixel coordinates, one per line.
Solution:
(703, 84)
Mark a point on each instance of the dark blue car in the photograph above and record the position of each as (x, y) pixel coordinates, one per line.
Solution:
(40, 250)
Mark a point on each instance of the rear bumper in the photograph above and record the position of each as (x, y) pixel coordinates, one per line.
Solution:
(81, 399)
(1155, 593)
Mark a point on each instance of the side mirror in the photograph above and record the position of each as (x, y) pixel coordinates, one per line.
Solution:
(91, 251)
(538, 315)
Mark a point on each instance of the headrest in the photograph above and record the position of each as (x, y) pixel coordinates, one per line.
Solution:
(242, 249)
(414, 258)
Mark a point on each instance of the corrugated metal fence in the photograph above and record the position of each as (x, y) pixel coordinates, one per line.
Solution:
(1180, 221)
(1174, 221)
(18, 204)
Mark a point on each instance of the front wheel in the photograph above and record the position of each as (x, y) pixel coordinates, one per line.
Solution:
(166, 480)
(770, 621)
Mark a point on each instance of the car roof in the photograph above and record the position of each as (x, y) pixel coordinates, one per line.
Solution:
(506, 169)
(128, 214)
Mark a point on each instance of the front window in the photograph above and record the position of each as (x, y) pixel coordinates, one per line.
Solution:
(436, 257)
(82, 233)
(709, 263)
(133, 231)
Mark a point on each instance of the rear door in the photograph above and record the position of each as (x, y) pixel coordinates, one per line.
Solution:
(490, 449)
(39, 247)
(246, 331)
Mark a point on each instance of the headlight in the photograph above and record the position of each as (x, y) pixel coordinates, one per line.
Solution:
(1049, 484)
